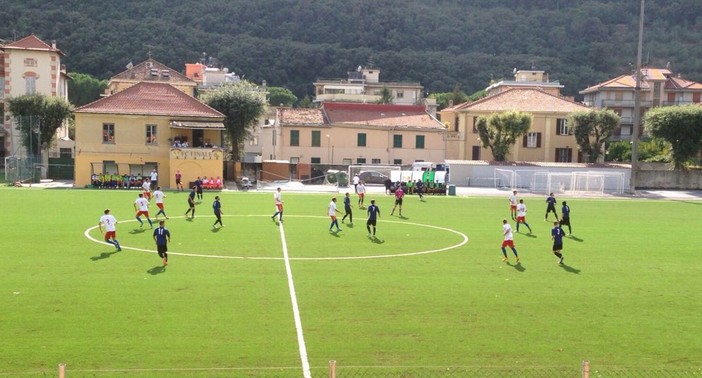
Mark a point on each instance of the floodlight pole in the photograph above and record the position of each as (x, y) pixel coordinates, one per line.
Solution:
(637, 107)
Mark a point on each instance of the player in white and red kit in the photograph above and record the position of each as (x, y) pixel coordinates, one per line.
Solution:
(278, 205)
(110, 223)
(146, 188)
(521, 215)
(508, 241)
(513, 205)
(141, 206)
(158, 197)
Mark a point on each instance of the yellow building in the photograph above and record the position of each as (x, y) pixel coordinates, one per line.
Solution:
(341, 133)
(149, 125)
(549, 139)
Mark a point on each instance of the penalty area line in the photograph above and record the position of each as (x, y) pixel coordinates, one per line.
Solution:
(295, 308)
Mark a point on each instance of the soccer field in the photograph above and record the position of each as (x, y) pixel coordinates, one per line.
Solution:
(428, 297)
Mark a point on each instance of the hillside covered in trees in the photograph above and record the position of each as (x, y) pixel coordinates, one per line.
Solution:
(442, 44)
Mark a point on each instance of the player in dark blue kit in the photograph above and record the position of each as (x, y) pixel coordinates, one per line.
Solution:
(373, 215)
(217, 207)
(551, 206)
(198, 186)
(347, 209)
(191, 203)
(565, 220)
(557, 237)
(162, 237)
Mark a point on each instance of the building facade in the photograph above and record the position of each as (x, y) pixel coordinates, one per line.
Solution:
(150, 71)
(149, 126)
(30, 66)
(549, 139)
(353, 133)
(659, 87)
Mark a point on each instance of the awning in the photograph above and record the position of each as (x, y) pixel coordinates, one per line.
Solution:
(196, 125)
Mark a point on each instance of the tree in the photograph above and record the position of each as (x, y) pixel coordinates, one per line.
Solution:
(306, 102)
(242, 104)
(38, 117)
(84, 89)
(386, 96)
(281, 96)
(680, 127)
(443, 100)
(500, 131)
(592, 128)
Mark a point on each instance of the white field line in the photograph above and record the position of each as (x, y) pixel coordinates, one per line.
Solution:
(406, 254)
(296, 310)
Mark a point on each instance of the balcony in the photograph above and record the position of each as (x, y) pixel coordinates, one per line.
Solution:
(347, 97)
(624, 104)
(454, 135)
(678, 103)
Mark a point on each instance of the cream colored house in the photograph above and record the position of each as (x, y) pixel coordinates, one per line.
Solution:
(659, 87)
(30, 66)
(549, 139)
(144, 127)
(353, 133)
(151, 71)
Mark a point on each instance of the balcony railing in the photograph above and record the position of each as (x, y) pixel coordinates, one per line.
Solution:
(624, 104)
(677, 103)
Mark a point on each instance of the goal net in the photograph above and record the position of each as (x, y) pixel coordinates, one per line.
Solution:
(579, 182)
(547, 182)
(507, 178)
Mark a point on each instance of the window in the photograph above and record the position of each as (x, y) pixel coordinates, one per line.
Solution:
(456, 120)
(375, 161)
(30, 83)
(532, 140)
(151, 134)
(316, 138)
(108, 133)
(253, 141)
(361, 140)
(562, 127)
(361, 161)
(475, 125)
(315, 160)
(294, 137)
(397, 141)
(400, 94)
(30, 62)
(475, 154)
(397, 161)
(419, 142)
(564, 155)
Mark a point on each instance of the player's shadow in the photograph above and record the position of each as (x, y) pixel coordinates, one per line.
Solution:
(518, 267)
(189, 219)
(530, 235)
(334, 234)
(574, 238)
(157, 270)
(349, 225)
(402, 217)
(103, 255)
(216, 229)
(376, 240)
(137, 231)
(569, 269)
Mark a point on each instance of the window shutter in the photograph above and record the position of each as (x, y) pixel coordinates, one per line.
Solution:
(558, 127)
(538, 140)
(524, 141)
(570, 154)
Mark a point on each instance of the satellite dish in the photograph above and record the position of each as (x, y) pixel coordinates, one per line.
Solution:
(130, 65)
(359, 68)
(514, 71)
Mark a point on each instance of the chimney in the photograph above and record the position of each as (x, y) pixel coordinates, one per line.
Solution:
(53, 44)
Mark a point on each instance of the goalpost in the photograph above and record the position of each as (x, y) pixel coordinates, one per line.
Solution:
(591, 182)
(507, 178)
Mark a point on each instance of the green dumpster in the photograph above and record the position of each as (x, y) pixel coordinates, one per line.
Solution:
(452, 190)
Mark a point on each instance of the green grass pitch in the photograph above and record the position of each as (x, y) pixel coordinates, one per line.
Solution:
(628, 295)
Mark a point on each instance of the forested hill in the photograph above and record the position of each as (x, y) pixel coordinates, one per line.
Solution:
(440, 43)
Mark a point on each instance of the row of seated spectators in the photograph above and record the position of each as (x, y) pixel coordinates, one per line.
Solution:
(206, 183)
(115, 181)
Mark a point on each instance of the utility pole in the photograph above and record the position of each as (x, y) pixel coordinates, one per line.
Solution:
(637, 107)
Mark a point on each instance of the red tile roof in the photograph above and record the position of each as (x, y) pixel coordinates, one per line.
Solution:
(31, 42)
(380, 115)
(301, 117)
(524, 100)
(152, 99)
(679, 83)
(142, 72)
